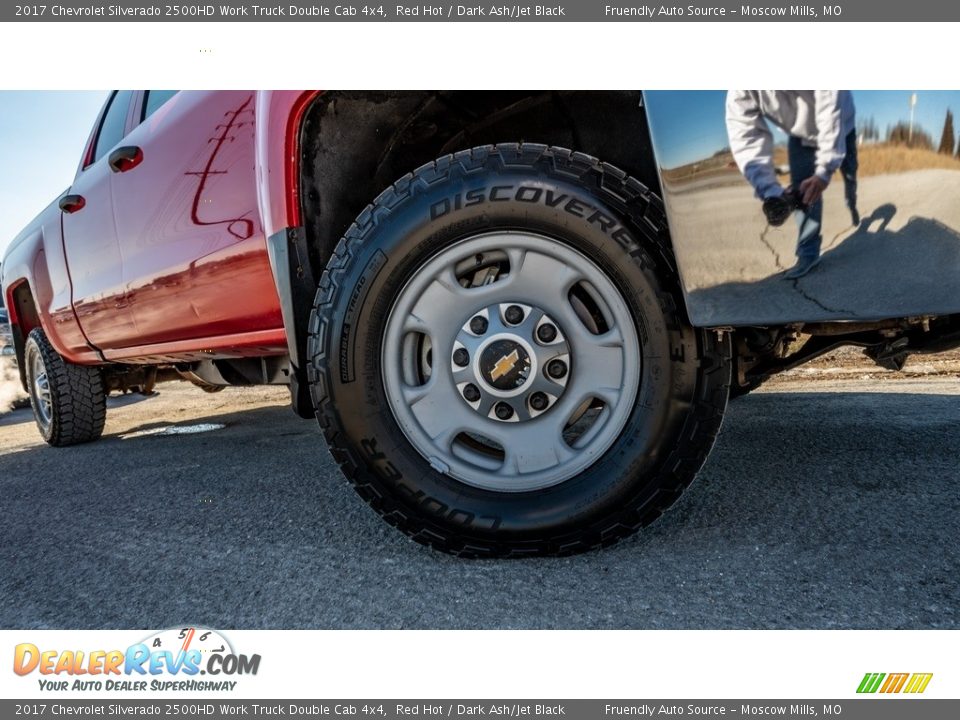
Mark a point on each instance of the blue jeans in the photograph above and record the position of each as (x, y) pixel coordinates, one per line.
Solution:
(803, 163)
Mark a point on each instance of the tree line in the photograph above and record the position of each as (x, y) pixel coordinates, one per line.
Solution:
(916, 137)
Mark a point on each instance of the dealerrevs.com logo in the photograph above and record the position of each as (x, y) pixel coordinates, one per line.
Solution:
(167, 660)
(911, 683)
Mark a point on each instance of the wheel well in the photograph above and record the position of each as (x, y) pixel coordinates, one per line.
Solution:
(23, 318)
(354, 144)
(24, 309)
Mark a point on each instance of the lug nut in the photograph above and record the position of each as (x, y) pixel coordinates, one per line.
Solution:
(538, 401)
(503, 411)
(513, 314)
(556, 369)
(546, 333)
(461, 357)
(478, 325)
(471, 393)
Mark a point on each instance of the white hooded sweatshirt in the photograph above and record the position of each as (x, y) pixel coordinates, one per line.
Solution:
(819, 118)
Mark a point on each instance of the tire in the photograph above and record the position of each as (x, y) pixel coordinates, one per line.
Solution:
(561, 203)
(69, 402)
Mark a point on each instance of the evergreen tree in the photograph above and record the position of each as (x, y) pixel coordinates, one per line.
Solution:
(900, 134)
(947, 139)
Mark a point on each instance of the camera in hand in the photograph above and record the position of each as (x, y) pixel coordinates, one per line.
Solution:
(778, 209)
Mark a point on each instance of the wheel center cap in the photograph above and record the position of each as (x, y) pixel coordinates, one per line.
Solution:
(505, 364)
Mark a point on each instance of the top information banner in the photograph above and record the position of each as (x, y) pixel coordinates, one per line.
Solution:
(565, 11)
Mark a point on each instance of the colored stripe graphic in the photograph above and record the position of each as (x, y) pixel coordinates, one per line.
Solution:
(870, 682)
(918, 683)
(895, 682)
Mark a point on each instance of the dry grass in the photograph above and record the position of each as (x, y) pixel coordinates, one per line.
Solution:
(879, 159)
(888, 159)
(716, 165)
(884, 159)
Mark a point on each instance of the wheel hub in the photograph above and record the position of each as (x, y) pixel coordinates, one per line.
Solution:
(501, 358)
(505, 364)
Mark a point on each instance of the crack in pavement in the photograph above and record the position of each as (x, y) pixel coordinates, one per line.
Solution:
(807, 296)
(796, 283)
(773, 250)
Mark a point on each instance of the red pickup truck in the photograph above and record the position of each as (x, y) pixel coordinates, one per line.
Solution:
(511, 347)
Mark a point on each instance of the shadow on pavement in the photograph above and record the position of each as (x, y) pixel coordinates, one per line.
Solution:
(127, 399)
(16, 417)
(816, 510)
(23, 414)
(872, 272)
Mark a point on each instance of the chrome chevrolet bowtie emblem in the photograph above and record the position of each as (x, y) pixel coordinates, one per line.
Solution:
(504, 365)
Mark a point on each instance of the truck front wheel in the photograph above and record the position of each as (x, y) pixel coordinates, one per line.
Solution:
(500, 360)
(69, 402)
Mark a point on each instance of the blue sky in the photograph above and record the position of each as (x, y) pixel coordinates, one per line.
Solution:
(41, 139)
(42, 136)
(695, 128)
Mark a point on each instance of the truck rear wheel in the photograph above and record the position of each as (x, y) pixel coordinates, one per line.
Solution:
(500, 361)
(69, 402)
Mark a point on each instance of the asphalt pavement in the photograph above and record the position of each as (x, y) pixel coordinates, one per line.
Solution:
(824, 505)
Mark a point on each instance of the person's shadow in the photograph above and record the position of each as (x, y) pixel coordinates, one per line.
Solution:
(884, 214)
(872, 273)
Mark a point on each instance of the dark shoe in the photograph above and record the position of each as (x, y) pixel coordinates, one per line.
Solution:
(803, 266)
(855, 217)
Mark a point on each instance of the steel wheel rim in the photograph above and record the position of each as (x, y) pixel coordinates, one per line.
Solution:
(40, 390)
(587, 408)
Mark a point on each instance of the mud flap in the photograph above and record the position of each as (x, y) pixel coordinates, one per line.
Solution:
(296, 286)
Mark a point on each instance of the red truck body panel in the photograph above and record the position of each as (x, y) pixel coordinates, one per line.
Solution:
(193, 249)
(167, 259)
(36, 261)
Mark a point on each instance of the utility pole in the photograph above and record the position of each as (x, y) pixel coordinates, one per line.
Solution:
(913, 104)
